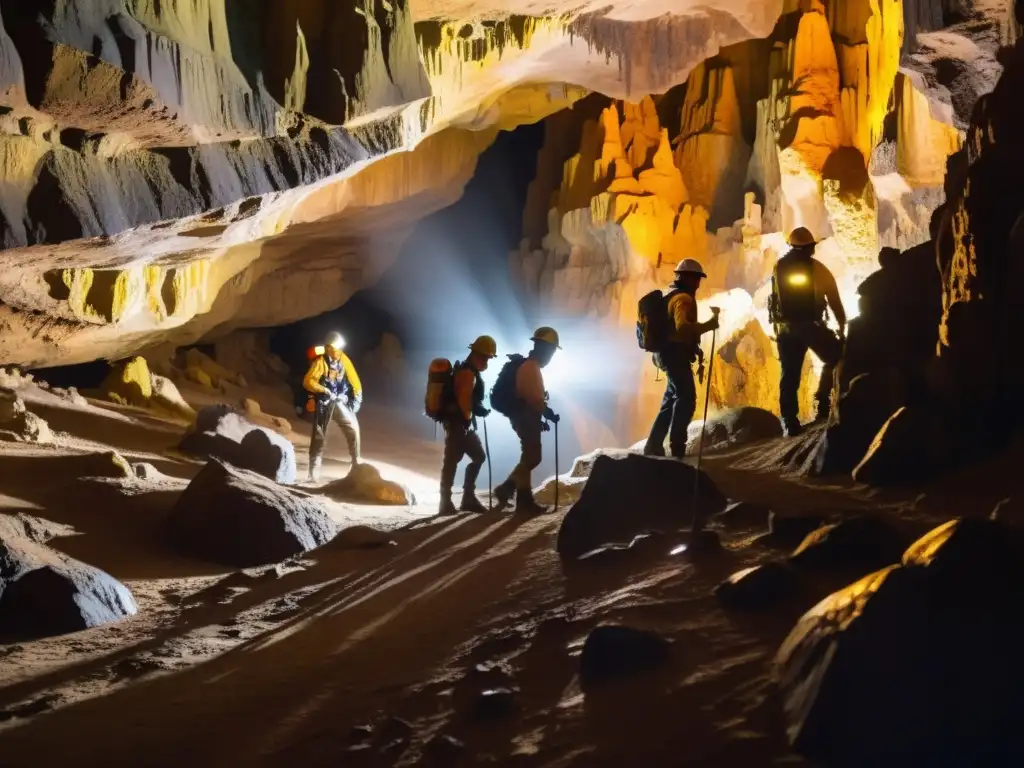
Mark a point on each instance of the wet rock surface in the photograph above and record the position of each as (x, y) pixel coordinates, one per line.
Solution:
(239, 518)
(608, 510)
(918, 663)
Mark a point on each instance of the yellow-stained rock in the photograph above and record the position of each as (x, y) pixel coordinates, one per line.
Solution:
(129, 383)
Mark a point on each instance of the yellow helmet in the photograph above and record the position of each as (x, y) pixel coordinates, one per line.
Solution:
(335, 339)
(486, 346)
(550, 335)
(800, 237)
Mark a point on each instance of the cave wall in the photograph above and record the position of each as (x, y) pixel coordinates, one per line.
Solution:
(834, 122)
(177, 168)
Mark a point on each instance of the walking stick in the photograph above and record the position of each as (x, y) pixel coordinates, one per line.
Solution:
(487, 452)
(556, 466)
(698, 523)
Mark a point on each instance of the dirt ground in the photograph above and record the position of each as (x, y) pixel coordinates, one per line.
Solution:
(278, 665)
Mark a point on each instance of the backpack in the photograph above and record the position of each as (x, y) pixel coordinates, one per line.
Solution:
(439, 388)
(653, 324)
(794, 299)
(503, 394)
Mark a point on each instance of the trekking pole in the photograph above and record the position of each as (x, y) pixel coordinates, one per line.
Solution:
(556, 466)
(698, 523)
(487, 452)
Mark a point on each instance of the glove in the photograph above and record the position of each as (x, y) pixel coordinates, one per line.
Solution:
(545, 427)
(482, 412)
(712, 324)
(355, 403)
(551, 415)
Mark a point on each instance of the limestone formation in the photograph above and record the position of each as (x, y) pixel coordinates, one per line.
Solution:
(815, 125)
(171, 169)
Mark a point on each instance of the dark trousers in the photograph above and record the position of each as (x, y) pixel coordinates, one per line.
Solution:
(326, 411)
(460, 441)
(793, 341)
(528, 428)
(676, 413)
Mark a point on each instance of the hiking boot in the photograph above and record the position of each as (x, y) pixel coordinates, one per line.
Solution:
(314, 471)
(470, 503)
(446, 506)
(525, 504)
(502, 496)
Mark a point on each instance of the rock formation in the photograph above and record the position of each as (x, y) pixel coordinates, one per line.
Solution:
(841, 120)
(176, 170)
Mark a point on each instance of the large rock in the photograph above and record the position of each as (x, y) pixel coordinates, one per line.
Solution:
(239, 518)
(364, 485)
(735, 427)
(612, 651)
(222, 433)
(44, 592)
(913, 445)
(867, 541)
(129, 383)
(18, 424)
(627, 495)
(758, 587)
(916, 664)
(862, 410)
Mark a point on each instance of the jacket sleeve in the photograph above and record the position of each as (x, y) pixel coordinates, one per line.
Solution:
(311, 382)
(464, 381)
(826, 283)
(352, 376)
(684, 327)
(530, 386)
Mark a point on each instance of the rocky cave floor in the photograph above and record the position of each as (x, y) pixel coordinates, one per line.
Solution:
(377, 648)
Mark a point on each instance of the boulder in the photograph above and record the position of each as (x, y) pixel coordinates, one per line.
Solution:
(18, 424)
(735, 427)
(916, 664)
(758, 587)
(166, 397)
(912, 446)
(863, 409)
(612, 651)
(865, 540)
(242, 519)
(495, 703)
(129, 383)
(788, 530)
(630, 494)
(44, 592)
(268, 453)
(364, 485)
(744, 514)
(222, 433)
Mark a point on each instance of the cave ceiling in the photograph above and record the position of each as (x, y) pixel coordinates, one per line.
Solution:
(175, 169)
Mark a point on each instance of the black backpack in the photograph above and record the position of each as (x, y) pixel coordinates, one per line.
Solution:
(503, 394)
(795, 300)
(653, 324)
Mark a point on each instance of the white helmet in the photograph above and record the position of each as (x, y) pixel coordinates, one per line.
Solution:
(336, 340)
(691, 266)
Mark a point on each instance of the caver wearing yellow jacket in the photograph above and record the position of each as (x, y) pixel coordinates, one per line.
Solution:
(335, 392)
